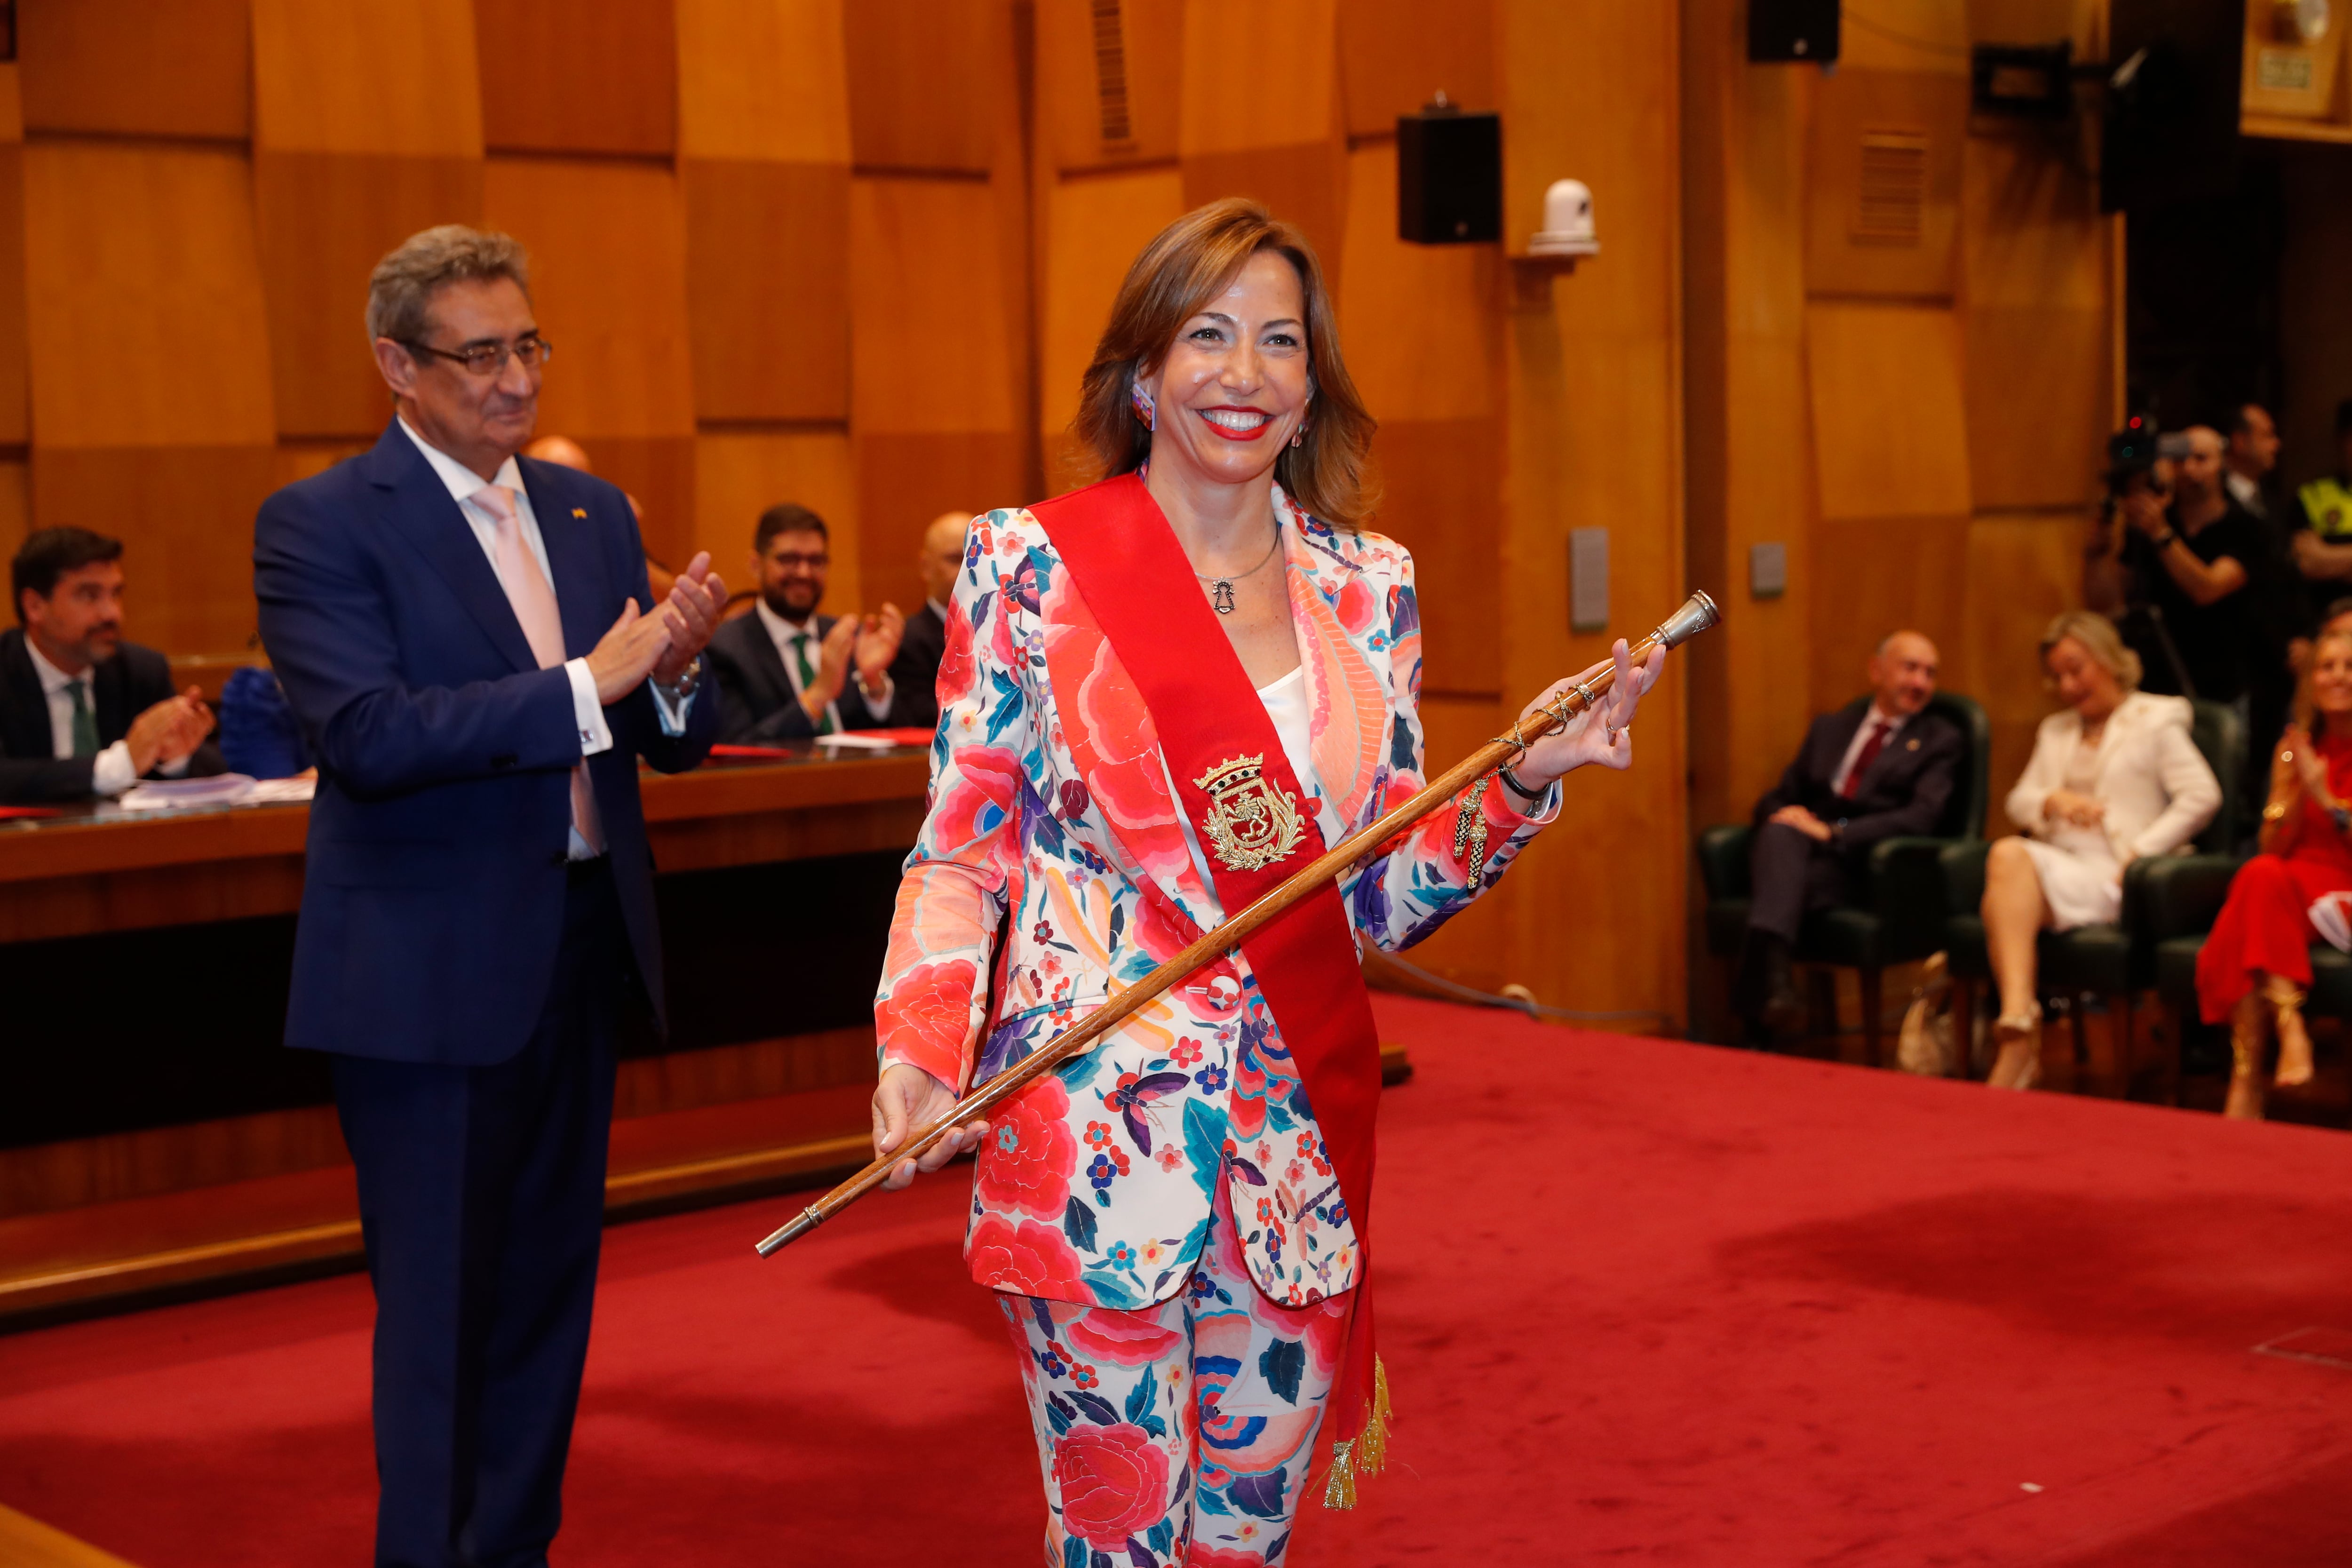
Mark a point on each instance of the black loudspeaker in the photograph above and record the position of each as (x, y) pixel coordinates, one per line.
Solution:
(1449, 176)
(1802, 30)
(2170, 130)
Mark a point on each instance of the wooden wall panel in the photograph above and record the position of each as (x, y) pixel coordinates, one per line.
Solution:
(152, 67)
(765, 80)
(763, 139)
(928, 82)
(1397, 54)
(1287, 149)
(931, 342)
(1889, 418)
(141, 268)
(1109, 96)
(15, 414)
(325, 220)
(608, 277)
(1095, 227)
(560, 77)
(737, 477)
(367, 128)
(368, 77)
(766, 256)
(15, 504)
(1750, 440)
(937, 404)
(2035, 286)
(1862, 115)
(1594, 423)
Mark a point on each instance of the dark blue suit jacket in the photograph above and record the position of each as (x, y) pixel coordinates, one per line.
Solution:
(433, 899)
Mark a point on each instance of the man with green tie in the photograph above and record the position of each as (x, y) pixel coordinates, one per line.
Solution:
(785, 672)
(82, 712)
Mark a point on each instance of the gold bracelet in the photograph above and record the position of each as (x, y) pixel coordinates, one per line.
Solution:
(2275, 812)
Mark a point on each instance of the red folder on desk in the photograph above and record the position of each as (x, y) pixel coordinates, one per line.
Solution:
(8, 811)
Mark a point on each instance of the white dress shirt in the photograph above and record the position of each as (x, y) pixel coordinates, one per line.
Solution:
(2247, 492)
(1893, 723)
(783, 633)
(587, 712)
(111, 771)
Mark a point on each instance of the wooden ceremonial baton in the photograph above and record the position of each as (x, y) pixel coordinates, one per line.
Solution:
(1696, 615)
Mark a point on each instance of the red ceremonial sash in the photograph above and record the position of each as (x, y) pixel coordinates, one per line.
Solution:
(1127, 567)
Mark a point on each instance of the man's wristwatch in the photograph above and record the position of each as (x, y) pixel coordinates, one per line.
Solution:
(689, 680)
(2163, 539)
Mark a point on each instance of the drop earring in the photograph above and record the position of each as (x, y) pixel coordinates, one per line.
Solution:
(1298, 434)
(1145, 409)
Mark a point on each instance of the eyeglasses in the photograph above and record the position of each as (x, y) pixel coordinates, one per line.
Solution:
(792, 562)
(489, 359)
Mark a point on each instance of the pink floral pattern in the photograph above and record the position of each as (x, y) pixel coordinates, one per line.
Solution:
(1052, 827)
(1183, 1433)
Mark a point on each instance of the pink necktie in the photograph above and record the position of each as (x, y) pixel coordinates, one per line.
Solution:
(542, 627)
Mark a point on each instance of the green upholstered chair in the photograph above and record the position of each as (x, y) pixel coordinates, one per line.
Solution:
(2114, 962)
(1900, 914)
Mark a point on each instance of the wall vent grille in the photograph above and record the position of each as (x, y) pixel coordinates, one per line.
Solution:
(1891, 201)
(1111, 74)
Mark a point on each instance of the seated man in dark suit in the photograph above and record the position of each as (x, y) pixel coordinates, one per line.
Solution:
(1858, 780)
(83, 712)
(783, 669)
(915, 671)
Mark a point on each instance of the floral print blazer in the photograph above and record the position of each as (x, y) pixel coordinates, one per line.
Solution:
(1053, 842)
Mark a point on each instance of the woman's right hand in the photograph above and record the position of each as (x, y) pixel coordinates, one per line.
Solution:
(907, 1101)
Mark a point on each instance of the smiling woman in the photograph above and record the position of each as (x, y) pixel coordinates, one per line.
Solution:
(1160, 696)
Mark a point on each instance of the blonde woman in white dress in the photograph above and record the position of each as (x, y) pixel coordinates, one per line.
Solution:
(2114, 777)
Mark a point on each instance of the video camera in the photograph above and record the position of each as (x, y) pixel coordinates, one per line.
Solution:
(2133, 451)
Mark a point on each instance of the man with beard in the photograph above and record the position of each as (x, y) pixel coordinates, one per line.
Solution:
(784, 670)
(83, 712)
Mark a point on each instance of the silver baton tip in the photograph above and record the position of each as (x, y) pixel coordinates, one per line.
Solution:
(1697, 613)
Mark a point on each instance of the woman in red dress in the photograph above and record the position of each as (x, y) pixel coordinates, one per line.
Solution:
(2256, 964)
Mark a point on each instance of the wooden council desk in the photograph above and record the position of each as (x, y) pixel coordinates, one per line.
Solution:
(157, 1138)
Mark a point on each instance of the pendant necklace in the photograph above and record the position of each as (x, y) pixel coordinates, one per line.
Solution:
(1220, 589)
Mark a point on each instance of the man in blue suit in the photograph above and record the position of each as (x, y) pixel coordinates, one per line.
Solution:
(459, 632)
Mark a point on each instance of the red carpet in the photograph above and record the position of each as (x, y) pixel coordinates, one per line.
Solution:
(1642, 1302)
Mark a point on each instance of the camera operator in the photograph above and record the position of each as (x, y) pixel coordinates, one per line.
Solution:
(2192, 578)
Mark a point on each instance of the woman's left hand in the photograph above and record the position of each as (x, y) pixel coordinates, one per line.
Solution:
(1600, 735)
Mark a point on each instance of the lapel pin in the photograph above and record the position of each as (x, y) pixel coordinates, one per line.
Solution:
(1911, 745)
(582, 512)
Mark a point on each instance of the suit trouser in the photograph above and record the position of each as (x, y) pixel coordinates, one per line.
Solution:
(1789, 875)
(481, 1202)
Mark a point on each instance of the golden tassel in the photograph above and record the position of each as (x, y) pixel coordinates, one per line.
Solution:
(1470, 833)
(1366, 1454)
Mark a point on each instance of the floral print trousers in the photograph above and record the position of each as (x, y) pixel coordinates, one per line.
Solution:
(1179, 1433)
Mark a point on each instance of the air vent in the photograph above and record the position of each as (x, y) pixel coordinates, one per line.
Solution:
(1891, 201)
(1110, 75)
